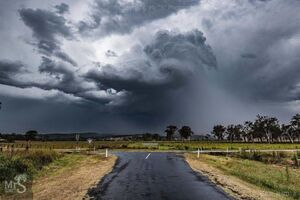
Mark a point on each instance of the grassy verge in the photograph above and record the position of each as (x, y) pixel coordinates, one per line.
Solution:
(283, 180)
(22, 164)
(159, 145)
(60, 165)
(25, 162)
(71, 176)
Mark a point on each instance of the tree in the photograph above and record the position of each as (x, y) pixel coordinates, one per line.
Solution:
(288, 131)
(247, 131)
(31, 135)
(230, 132)
(266, 127)
(171, 129)
(238, 131)
(218, 131)
(234, 132)
(185, 132)
(295, 123)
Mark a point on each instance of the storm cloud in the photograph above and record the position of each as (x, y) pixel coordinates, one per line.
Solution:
(140, 65)
(119, 16)
(9, 72)
(152, 73)
(47, 26)
(62, 8)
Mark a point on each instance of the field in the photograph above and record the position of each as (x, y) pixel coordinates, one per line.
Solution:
(155, 145)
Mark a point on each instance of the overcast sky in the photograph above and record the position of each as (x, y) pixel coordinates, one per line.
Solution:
(123, 66)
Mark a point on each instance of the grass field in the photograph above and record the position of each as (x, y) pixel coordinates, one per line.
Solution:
(281, 179)
(160, 145)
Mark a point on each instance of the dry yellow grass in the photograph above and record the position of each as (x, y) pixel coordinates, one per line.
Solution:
(72, 181)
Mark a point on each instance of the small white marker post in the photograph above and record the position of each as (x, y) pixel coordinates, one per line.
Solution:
(106, 153)
(198, 155)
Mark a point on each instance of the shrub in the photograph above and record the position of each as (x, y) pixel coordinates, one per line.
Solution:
(295, 159)
(28, 163)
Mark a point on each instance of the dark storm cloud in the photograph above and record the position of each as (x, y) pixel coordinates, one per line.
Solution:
(110, 53)
(45, 24)
(62, 8)
(46, 27)
(9, 70)
(258, 49)
(248, 55)
(117, 16)
(168, 64)
(66, 80)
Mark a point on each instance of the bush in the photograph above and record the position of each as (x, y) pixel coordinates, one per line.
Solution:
(295, 159)
(24, 162)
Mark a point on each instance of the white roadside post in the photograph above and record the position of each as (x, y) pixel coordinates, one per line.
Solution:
(90, 140)
(106, 153)
(198, 155)
(77, 139)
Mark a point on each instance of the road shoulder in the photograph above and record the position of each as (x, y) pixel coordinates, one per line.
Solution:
(234, 186)
(71, 180)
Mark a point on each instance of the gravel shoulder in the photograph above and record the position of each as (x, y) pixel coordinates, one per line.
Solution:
(71, 179)
(234, 186)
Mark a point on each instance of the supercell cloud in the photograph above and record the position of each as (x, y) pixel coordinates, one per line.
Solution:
(134, 66)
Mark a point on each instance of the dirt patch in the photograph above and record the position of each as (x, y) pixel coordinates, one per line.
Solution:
(73, 183)
(234, 186)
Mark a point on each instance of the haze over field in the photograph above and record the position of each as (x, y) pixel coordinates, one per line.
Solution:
(139, 65)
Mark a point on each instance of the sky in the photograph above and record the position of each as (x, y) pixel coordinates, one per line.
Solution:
(131, 66)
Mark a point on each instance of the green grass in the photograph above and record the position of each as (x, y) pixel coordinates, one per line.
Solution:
(162, 145)
(209, 145)
(28, 163)
(280, 179)
(58, 166)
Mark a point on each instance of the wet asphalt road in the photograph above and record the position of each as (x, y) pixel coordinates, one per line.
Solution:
(160, 176)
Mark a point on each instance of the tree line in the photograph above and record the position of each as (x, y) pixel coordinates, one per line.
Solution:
(263, 129)
(185, 132)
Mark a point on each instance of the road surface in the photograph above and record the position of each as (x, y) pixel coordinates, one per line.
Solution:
(155, 176)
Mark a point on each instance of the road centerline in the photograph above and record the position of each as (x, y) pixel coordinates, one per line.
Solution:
(147, 156)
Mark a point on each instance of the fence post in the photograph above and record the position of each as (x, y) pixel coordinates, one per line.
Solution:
(198, 155)
(106, 153)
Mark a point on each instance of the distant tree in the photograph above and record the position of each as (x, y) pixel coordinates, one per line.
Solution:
(156, 137)
(230, 132)
(218, 131)
(146, 137)
(288, 131)
(266, 127)
(170, 131)
(31, 135)
(238, 131)
(185, 132)
(234, 132)
(247, 132)
(295, 123)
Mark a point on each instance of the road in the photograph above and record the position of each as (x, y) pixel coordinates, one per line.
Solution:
(155, 176)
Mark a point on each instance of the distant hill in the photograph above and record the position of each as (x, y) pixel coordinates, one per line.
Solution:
(71, 136)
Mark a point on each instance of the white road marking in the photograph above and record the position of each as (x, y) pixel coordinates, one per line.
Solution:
(147, 156)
